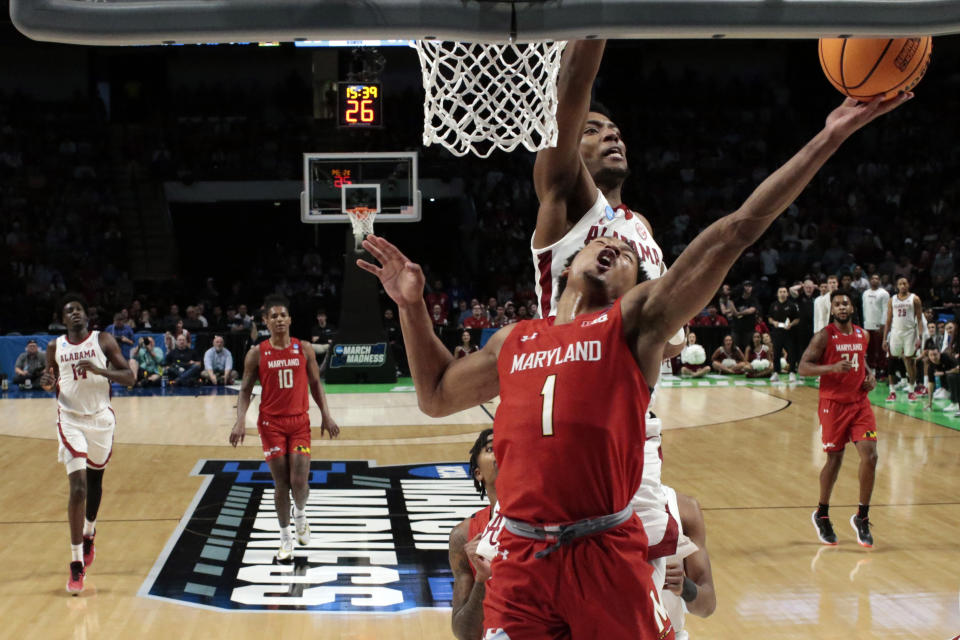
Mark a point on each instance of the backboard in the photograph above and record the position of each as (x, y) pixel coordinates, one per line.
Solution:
(332, 181)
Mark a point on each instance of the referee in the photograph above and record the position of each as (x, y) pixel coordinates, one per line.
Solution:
(783, 316)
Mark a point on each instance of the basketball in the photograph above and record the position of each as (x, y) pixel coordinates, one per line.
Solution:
(864, 67)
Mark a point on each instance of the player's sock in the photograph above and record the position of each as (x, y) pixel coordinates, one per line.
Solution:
(89, 527)
(76, 552)
(285, 534)
(299, 513)
(823, 510)
(863, 511)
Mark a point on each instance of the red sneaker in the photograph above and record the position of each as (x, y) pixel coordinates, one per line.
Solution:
(75, 583)
(912, 396)
(89, 551)
(921, 390)
(892, 397)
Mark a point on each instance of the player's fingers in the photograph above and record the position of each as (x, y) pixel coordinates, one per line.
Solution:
(372, 246)
(371, 268)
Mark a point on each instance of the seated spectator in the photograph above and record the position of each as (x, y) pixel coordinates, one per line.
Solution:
(944, 368)
(438, 317)
(56, 325)
(437, 296)
(466, 346)
(245, 317)
(218, 364)
(478, 320)
(122, 333)
(146, 360)
(170, 338)
(29, 367)
(711, 319)
(235, 321)
(322, 333)
(509, 311)
(218, 321)
(500, 319)
(145, 322)
(463, 312)
(784, 356)
(950, 298)
(728, 358)
(258, 328)
(182, 364)
(172, 317)
(726, 305)
(192, 322)
(694, 358)
(760, 357)
(522, 313)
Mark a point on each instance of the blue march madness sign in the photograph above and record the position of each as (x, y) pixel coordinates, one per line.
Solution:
(378, 543)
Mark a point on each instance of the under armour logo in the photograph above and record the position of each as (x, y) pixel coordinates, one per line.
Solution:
(529, 337)
(504, 553)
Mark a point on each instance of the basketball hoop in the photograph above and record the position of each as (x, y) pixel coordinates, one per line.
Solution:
(486, 96)
(361, 219)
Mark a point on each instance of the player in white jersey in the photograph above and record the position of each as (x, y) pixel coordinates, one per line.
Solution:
(901, 333)
(689, 583)
(82, 364)
(579, 185)
(876, 301)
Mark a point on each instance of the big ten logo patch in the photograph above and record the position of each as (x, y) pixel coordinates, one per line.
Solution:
(378, 543)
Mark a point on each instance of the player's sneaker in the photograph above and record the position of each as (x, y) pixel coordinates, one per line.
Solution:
(285, 552)
(921, 390)
(862, 527)
(774, 377)
(824, 529)
(912, 396)
(303, 533)
(941, 394)
(75, 583)
(953, 407)
(89, 551)
(892, 397)
(793, 377)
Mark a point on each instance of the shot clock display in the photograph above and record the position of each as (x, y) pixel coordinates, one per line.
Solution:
(359, 105)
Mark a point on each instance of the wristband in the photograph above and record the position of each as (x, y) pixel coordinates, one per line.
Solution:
(689, 593)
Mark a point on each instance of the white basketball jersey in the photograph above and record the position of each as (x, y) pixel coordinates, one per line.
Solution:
(875, 309)
(82, 393)
(601, 220)
(904, 315)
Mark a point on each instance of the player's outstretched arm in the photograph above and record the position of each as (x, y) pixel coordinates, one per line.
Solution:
(251, 368)
(655, 310)
(444, 385)
(467, 602)
(316, 390)
(563, 185)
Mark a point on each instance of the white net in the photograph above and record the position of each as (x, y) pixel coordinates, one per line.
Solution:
(485, 96)
(361, 219)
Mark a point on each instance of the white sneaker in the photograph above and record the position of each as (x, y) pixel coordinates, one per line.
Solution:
(774, 377)
(303, 532)
(28, 384)
(940, 394)
(951, 407)
(793, 377)
(285, 552)
(904, 384)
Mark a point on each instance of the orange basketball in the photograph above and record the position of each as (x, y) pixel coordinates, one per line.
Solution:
(865, 67)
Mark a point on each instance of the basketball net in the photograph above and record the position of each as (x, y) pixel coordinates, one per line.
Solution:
(486, 96)
(361, 219)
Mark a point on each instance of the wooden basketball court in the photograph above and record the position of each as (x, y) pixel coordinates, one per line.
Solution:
(750, 455)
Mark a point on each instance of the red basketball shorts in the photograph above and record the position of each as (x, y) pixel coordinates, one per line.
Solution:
(599, 586)
(843, 422)
(280, 435)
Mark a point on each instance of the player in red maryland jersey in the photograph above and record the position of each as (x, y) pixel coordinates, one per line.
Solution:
(837, 354)
(574, 390)
(469, 581)
(287, 369)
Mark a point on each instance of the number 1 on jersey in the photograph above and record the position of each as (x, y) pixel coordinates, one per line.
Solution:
(546, 417)
(286, 378)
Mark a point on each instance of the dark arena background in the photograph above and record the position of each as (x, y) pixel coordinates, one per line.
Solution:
(163, 183)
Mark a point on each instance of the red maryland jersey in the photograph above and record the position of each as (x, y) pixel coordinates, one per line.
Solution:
(570, 425)
(844, 387)
(283, 378)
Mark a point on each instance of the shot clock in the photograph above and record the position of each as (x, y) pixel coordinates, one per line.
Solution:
(359, 105)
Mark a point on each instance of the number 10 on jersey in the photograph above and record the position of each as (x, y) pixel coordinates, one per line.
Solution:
(286, 378)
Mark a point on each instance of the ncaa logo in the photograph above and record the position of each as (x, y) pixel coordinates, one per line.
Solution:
(641, 231)
(338, 349)
(609, 213)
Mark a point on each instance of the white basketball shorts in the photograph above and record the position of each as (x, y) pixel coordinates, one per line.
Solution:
(903, 344)
(85, 441)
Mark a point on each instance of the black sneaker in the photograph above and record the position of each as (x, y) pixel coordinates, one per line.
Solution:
(824, 529)
(862, 527)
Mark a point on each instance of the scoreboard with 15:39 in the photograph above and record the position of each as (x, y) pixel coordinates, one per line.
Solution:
(359, 105)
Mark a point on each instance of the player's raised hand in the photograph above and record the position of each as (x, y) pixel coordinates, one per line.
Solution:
(480, 564)
(237, 433)
(402, 279)
(852, 114)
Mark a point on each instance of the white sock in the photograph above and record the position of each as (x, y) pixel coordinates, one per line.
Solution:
(298, 513)
(285, 534)
(89, 527)
(76, 552)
